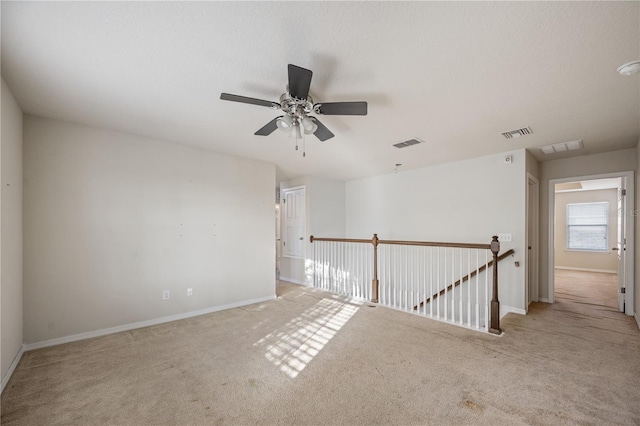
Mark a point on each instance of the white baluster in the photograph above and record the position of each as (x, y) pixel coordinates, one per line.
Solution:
(477, 289)
(446, 292)
(405, 257)
(469, 288)
(460, 288)
(486, 291)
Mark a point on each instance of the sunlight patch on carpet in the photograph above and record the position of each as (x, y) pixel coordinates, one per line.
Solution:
(293, 346)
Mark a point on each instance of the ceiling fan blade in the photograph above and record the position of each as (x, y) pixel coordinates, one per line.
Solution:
(268, 128)
(299, 82)
(322, 132)
(246, 100)
(341, 108)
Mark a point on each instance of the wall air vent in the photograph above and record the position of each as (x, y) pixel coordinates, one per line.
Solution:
(410, 142)
(517, 133)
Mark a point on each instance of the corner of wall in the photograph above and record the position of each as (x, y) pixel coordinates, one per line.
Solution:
(532, 165)
(637, 240)
(6, 377)
(11, 279)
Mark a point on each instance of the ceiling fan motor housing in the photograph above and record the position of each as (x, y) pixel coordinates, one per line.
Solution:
(295, 106)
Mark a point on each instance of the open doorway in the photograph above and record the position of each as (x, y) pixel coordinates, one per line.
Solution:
(591, 244)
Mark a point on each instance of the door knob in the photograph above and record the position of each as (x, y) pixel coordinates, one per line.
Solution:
(615, 249)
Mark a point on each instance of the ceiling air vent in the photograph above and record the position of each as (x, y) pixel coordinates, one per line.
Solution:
(410, 142)
(517, 133)
(562, 147)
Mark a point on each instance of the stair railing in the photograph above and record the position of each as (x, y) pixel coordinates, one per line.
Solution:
(413, 276)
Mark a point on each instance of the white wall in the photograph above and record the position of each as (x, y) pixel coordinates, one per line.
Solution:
(111, 220)
(466, 201)
(637, 249)
(325, 217)
(637, 225)
(584, 260)
(327, 206)
(11, 232)
(585, 165)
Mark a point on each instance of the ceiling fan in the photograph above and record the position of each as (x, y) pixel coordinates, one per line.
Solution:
(297, 105)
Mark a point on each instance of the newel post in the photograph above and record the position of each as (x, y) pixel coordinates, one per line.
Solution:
(375, 284)
(494, 327)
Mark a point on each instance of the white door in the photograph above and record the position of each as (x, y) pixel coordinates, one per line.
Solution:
(621, 244)
(294, 205)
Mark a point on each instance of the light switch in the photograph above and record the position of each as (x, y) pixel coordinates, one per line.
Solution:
(504, 237)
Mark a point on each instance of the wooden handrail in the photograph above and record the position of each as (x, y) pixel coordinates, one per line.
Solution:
(436, 244)
(339, 240)
(406, 243)
(465, 278)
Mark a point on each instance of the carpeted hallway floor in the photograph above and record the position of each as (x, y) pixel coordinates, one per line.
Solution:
(594, 288)
(310, 357)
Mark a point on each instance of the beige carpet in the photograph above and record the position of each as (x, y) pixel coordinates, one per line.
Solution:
(313, 358)
(594, 288)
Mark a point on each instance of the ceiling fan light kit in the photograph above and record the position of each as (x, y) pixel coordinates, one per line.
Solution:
(309, 126)
(284, 123)
(297, 105)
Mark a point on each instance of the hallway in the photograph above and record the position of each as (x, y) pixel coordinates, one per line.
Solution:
(594, 288)
(585, 338)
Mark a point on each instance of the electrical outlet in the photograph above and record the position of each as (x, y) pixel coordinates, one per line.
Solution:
(166, 294)
(189, 292)
(504, 237)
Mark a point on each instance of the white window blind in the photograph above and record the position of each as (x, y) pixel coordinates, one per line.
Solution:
(588, 226)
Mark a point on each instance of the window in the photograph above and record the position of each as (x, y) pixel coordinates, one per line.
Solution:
(588, 226)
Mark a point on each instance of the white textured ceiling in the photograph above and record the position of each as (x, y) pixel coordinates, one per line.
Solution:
(453, 74)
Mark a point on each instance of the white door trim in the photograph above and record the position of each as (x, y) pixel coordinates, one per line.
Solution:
(283, 227)
(630, 232)
(534, 255)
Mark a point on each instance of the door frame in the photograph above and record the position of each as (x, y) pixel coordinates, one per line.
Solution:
(621, 243)
(629, 233)
(283, 223)
(532, 227)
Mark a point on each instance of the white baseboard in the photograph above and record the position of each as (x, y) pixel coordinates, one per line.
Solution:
(291, 280)
(12, 368)
(504, 310)
(543, 300)
(141, 324)
(571, 268)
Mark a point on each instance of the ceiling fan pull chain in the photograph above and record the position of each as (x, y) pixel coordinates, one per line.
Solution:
(304, 146)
